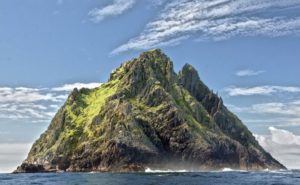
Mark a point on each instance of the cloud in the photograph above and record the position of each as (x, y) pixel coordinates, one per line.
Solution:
(22, 94)
(12, 155)
(54, 106)
(116, 8)
(70, 87)
(234, 108)
(248, 73)
(41, 121)
(281, 114)
(284, 121)
(261, 140)
(276, 108)
(23, 111)
(283, 146)
(260, 90)
(284, 137)
(27, 103)
(214, 20)
(33, 106)
(13, 116)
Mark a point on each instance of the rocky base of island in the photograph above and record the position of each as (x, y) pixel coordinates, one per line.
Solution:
(46, 168)
(35, 168)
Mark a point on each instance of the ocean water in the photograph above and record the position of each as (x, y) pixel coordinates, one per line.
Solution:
(226, 176)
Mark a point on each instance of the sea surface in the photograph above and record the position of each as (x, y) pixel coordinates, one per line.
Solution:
(157, 177)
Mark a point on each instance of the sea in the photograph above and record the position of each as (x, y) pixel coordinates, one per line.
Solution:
(155, 177)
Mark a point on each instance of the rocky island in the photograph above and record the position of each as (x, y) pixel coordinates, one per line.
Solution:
(147, 116)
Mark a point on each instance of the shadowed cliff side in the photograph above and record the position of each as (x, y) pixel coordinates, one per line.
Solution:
(148, 116)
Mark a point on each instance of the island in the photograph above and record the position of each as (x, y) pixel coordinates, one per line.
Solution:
(146, 116)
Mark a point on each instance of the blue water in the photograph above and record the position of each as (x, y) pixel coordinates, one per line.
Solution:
(170, 178)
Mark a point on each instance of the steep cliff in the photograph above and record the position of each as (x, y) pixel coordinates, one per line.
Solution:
(147, 116)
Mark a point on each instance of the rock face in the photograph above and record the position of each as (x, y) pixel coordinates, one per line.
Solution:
(148, 116)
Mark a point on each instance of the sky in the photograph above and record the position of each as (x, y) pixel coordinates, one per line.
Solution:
(247, 51)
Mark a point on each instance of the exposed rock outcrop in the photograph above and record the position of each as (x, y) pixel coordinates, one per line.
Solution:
(148, 116)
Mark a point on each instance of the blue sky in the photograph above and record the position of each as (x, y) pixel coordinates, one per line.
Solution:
(248, 51)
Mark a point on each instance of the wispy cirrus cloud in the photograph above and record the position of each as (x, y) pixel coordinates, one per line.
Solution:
(248, 72)
(116, 8)
(215, 20)
(288, 109)
(260, 90)
(22, 94)
(23, 111)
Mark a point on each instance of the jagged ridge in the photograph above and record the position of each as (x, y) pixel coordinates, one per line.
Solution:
(147, 116)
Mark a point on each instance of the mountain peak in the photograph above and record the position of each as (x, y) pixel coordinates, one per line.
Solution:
(147, 116)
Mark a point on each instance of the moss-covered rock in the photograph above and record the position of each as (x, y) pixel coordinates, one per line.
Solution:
(148, 116)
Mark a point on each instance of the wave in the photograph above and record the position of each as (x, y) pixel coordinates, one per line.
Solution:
(231, 170)
(227, 170)
(148, 170)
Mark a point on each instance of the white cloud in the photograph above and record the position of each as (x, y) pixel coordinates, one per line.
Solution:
(13, 116)
(276, 108)
(284, 137)
(234, 108)
(116, 8)
(261, 140)
(27, 95)
(26, 103)
(70, 87)
(260, 90)
(41, 121)
(283, 146)
(54, 106)
(248, 73)
(271, 120)
(33, 106)
(20, 111)
(281, 114)
(215, 20)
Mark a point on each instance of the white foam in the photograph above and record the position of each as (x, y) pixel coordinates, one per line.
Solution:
(231, 170)
(227, 170)
(148, 170)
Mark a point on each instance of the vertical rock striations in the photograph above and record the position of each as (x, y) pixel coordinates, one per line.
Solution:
(147, 116)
